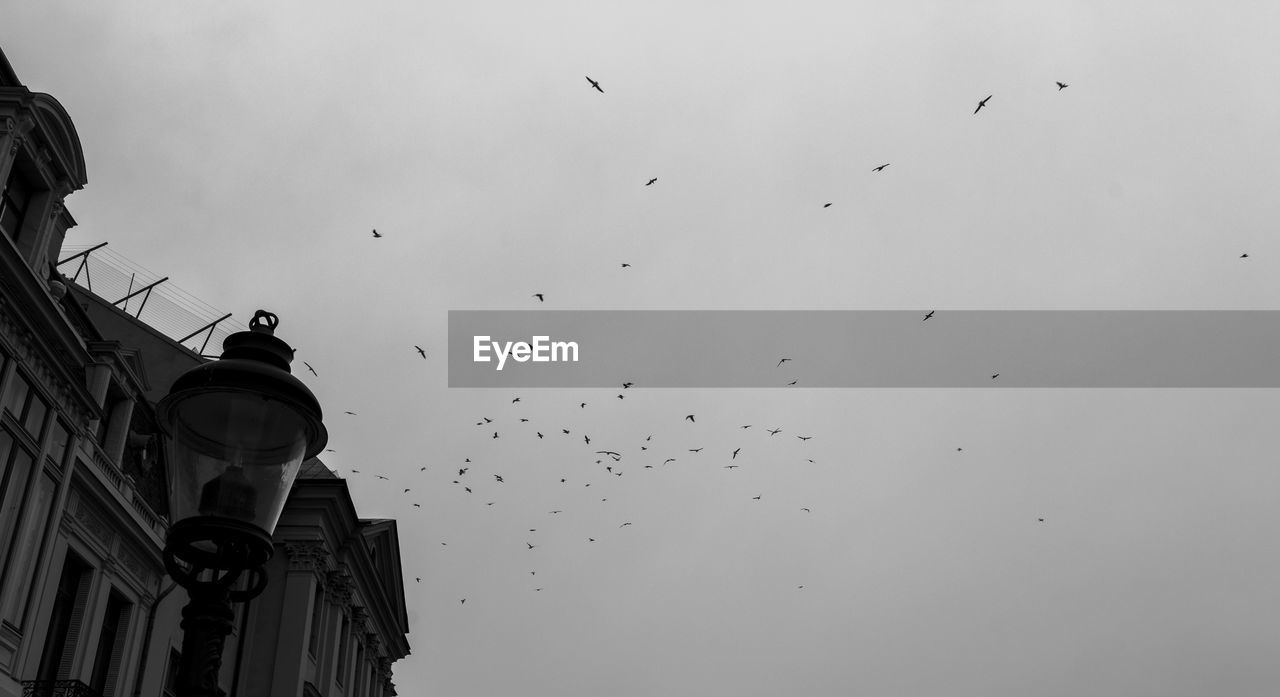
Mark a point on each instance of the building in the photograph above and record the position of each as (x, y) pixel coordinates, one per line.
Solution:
(86, 607)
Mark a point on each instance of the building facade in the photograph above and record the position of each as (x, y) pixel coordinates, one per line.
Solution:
(86, 607)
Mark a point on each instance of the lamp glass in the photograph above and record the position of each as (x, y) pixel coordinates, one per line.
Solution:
(234, 454)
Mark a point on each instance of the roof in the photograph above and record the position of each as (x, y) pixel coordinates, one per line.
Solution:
(315, 469)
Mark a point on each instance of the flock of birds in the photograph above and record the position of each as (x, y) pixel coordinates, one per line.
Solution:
(606, 463)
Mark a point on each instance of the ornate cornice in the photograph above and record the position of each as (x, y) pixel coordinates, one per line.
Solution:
(339, 587)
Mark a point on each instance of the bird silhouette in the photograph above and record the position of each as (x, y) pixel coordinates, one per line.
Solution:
(498, 477)
(313, 370)
(651, 181)
(781, 361)
(375, 233)
(379, 476)
(624, 525)
(625, 265)
(695, 450)
(926, 317)
(735, 454)
(517, 399)
(539, 297)
(806, 510)
(587, 439)
(670, 459)
(775, 431)
(826, 205)
(420, 351)
(982, 104)
(756, 498)
(530, 546)
(732, 467)
(539, 433)
(595, 84)
(690, 418)
(993, 377)
(627, 385)
(1244, 256)
(881, 167)
(804, 437)
(1061, 86)
(352, 413)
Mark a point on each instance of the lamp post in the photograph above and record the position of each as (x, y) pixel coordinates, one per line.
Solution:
(238, 429)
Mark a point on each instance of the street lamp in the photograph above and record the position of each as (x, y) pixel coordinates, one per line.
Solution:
(238, 429)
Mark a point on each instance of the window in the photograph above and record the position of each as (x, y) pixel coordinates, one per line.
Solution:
(14, 201)
(16, 465)
(59, 439)
(64, 622)
(342, 649)
(111, 641)
(317, 616)
(15, 584)
(27, 407)
(171, 673)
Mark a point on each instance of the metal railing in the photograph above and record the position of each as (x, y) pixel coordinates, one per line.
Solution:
(57, 688)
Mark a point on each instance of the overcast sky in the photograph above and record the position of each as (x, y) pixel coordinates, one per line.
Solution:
(246, 150)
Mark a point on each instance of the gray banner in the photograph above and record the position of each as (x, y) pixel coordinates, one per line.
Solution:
(963, 348)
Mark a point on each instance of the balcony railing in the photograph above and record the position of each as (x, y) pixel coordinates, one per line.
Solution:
(57, 688)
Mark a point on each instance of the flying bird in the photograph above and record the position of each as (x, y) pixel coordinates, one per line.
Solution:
(1060, 85)
(982, 104)
(539, 433)
(881, 167)
(375, 233)
(690, 418)
(735, 454)
(313, 370)
(517, 399)
(625, 265)
(626, 385)
(624, 525)
(587, 439)
(804, 437)
(352, 413)
(530, 546)
(498, 477)
(695, 450)
(595, 84)
(539, 297)
(756, 498)
(826, 205)
(926, 317)
(1242, 256)
(379, 476)
(993, 377)
(670, 459)
(775, 431)
(420, 351)
(781, 361)
(806, 510)
(651, 181)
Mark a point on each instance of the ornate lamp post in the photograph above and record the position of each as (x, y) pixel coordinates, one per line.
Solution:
(238, 429)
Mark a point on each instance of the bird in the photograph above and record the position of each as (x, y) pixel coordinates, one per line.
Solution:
(1040, 519)
(530, 546)
(982, 104)
(732, 467)
(418, 579)
(735, 454)
(517, 399)
(1244, 256)
(524, 420)
(695, 450)
(926, 317)
(747, 426)
(804, 437)
(627, 385)
(594, 84)
(313, 370)
(625, 265)
(587, 439)
(539, 297)
(621, 397)
(422, 469)
(417, 505)
(651, 181)
(670, 459)
(756, 498)
(624, 525)
(826, 205)
(406, 491)
(375, 233)
(566, 431)
(557, 511)
(352, 413)
(539, 433)
(881, 167)
(495, 434)
(463, 601)
(582, 406)
(420, 351)
(379, 476)
(806, 510)
(498, 477)
(1061, 86)
(793, 382)
(781, 361)
(993, 377)
(610, 453)
(690, 418)
(774, 431)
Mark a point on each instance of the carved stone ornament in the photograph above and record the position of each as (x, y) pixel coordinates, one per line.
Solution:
(307, 555)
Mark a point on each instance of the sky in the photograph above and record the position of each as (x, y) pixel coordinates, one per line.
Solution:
(247, 150)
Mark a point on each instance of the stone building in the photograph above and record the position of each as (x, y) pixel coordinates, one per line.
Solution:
(86, 607)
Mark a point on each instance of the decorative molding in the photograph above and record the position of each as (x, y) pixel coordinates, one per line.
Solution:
(308, 555)
(339, 586)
